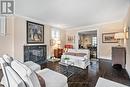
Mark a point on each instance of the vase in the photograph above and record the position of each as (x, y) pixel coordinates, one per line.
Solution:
(66, 61)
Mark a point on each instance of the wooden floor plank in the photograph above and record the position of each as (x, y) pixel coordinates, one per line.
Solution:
(89, 76)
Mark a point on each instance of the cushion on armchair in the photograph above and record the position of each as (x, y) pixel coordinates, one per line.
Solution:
(32, 65)
(26, 74)
(13, 78)
(8, 59)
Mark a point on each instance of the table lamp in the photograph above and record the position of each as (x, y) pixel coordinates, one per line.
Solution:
(120, 37)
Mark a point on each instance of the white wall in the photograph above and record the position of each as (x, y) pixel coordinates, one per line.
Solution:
(20, 36)
(6, 41)
(128, 55)
(63, 37)
(127, 20)
(104, 49)
(15, 38)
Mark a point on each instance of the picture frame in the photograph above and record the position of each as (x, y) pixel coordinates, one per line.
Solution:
(52, 42)
(35, 33)
(71, 39)
(109, 38)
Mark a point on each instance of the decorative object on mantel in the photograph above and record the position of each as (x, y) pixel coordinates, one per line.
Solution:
(35, 33)
(109, 38)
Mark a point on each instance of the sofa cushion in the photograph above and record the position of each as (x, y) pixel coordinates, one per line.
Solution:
(7, 58)
(75, 54)
(52, 78)
(80, 54)
(69, 53)
(13, 78)
(26, 74)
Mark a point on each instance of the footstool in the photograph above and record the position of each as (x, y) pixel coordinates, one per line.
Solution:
(32, 65)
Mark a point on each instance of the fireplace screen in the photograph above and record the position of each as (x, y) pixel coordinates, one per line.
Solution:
(35, 53)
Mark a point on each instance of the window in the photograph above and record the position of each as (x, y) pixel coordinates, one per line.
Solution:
(94, 41)
(55, 34)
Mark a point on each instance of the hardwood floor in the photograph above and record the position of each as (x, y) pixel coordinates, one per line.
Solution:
(89, 76)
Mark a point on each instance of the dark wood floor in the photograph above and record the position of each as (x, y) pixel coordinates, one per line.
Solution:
(89, 76)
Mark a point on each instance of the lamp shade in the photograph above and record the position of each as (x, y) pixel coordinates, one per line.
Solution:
(120, 35)
(58, 42)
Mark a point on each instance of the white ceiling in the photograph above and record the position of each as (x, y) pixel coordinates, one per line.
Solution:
(93, 32)
(72, 13)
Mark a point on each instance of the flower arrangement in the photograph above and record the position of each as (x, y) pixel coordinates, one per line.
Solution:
(66, 58)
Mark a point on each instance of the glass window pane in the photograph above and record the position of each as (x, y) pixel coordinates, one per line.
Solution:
(55, 34)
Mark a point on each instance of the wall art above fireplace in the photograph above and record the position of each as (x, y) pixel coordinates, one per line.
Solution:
(35, 33)
(35, 53)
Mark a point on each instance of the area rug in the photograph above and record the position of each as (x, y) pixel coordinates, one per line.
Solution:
(108, 83)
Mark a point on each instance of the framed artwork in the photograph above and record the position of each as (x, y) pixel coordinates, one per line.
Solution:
(109, 38)
(35, 33)
(71, 39)
(52, 42)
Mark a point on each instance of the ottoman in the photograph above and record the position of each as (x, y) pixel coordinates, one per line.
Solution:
(32, 65)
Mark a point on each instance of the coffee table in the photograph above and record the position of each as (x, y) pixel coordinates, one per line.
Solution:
(67, 72)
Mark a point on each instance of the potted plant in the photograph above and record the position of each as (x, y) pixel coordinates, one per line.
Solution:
(66, 59)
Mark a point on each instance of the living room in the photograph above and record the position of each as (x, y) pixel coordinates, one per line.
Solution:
(62, 32)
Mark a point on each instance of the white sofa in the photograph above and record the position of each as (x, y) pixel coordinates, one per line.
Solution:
(16, 74)
(80, 58)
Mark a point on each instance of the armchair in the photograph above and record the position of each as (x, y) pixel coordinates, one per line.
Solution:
(20, 75)
(30, 64)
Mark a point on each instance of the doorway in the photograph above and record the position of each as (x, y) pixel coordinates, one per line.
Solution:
(88, 40)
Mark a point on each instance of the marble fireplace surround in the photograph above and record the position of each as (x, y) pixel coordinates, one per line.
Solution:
(35, 53)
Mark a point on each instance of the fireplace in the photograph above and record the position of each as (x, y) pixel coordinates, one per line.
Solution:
(35, 53)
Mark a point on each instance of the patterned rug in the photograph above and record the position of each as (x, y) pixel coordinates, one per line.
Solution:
(68, 70)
